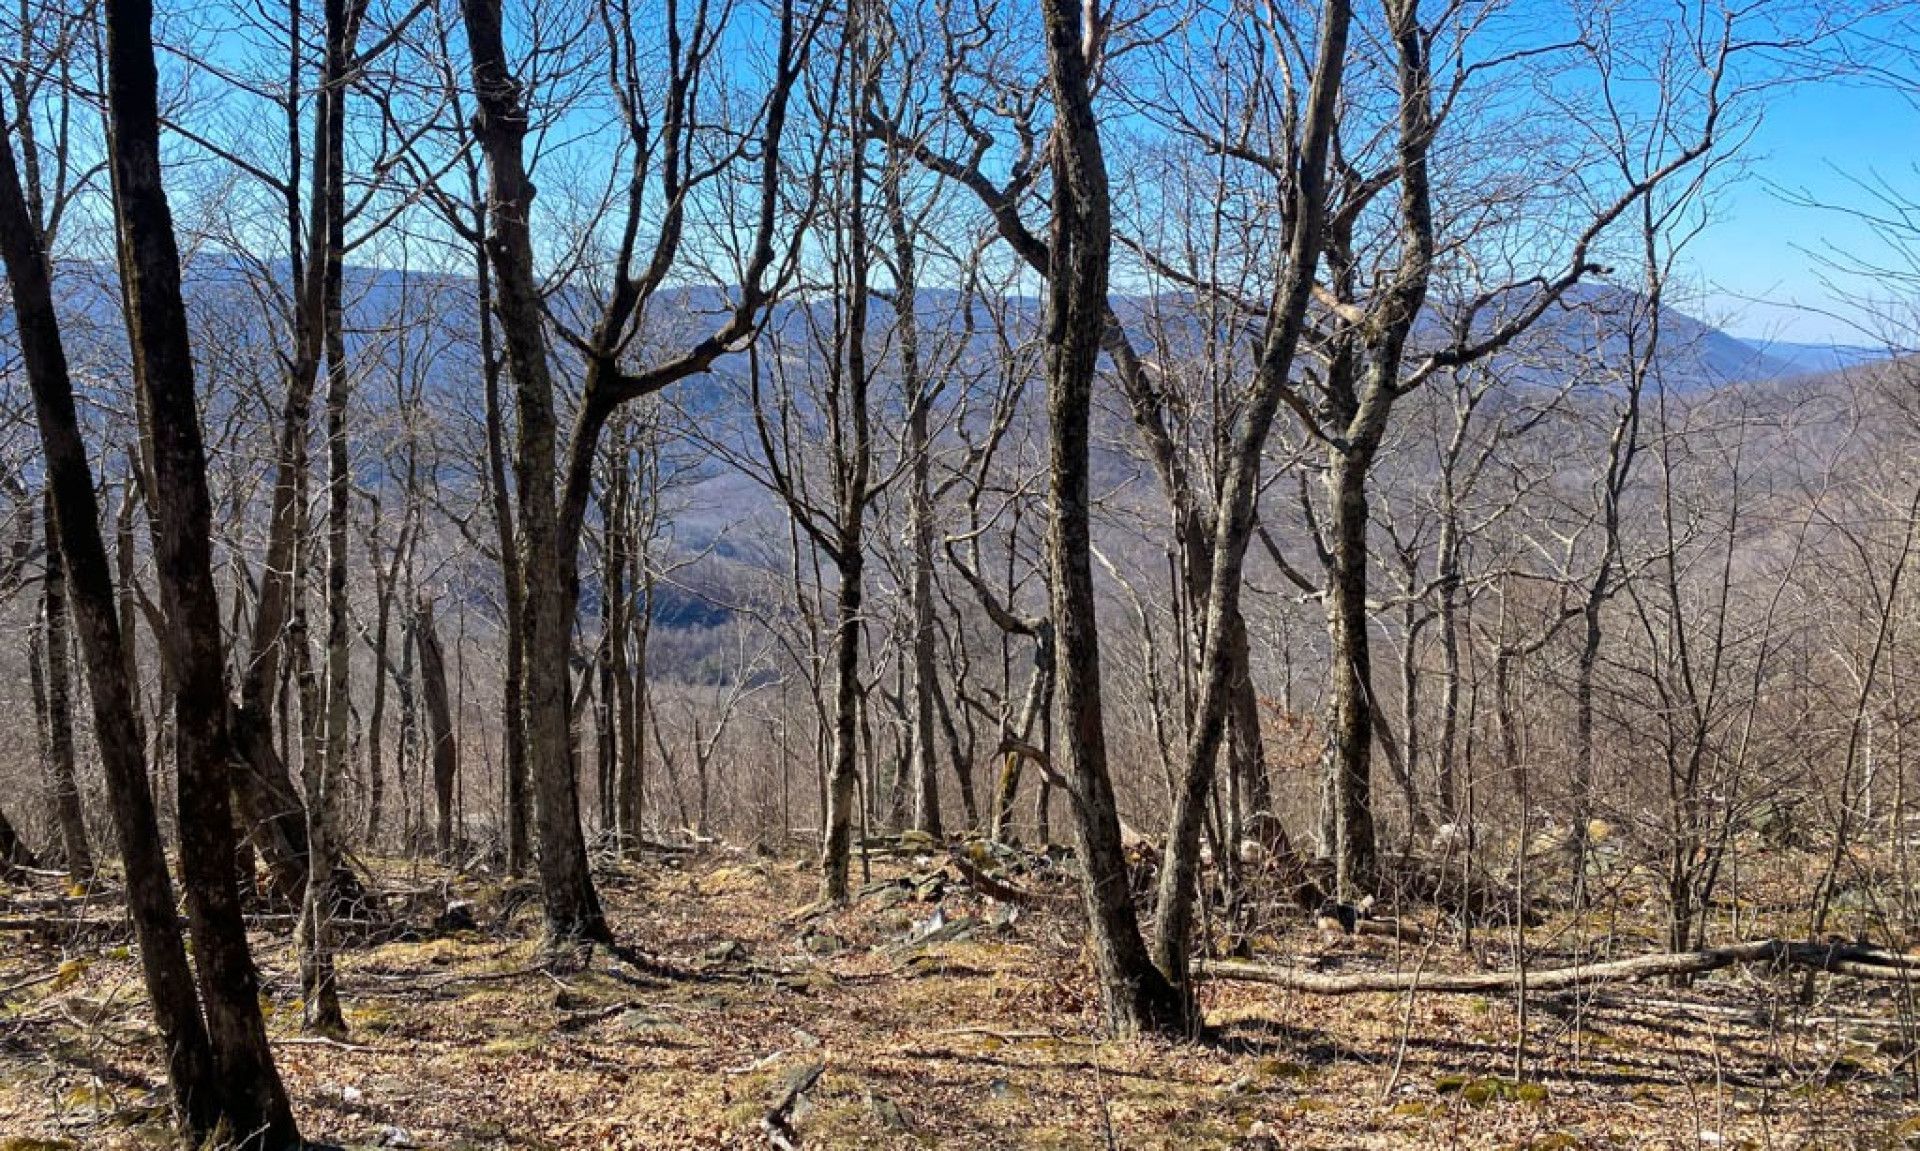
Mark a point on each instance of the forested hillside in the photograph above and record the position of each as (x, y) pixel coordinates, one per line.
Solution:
(761, 573)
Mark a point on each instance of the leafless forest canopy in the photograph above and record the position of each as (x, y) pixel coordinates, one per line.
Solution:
(1180, 470)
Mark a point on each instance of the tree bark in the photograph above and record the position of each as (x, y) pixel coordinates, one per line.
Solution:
(924, 768)
(630, 670)
(519, 841)
(1355, 847)
(1840, 958)
(572, 906)
(617, 686)
(836, 848)
(1034, 708)
(634, 708)
(377, 710)
(197, 1085)
(322, 1000)
(852, 451)
(14, 852)
(62, 779)
(1136, 996)
(253, 1097)
(1234, 518)
(445, 754)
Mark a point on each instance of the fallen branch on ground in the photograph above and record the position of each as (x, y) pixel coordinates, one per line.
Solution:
(63, 902)
(1402, 930)
(1838, 958)
(15, 988)
(1004, 892)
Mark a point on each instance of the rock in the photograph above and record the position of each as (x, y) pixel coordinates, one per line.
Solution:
(726, 951)
(937, 928)
(887, 1112)
(457, 917)
(801, 1079)
(1260, 1137)
(821, 943)
(928, 926)
(965, 927)
(391, 1136)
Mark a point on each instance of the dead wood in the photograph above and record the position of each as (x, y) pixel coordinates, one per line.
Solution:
(1837, 958)
(1004, 892)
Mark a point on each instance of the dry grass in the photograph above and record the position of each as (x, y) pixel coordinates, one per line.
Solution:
(990, 1042)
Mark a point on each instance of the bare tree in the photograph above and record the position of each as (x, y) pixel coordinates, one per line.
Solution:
(250, 1091)
(191, 1068)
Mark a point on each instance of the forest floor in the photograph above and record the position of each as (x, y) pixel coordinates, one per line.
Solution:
(984, 1036)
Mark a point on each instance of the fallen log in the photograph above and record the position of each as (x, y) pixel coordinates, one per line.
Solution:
(1838, 958)
(62, 902)
(987, 885)
(1402, 930)
(54, 924)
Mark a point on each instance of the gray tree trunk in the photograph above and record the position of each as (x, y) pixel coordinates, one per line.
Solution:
(1136, 996)
(572, 906)
(62, 780)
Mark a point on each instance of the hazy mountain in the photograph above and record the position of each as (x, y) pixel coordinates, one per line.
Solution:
(1815, 358)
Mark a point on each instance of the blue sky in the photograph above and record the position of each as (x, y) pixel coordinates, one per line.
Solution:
(1762, 262)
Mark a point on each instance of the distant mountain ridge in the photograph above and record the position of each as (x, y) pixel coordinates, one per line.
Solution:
(223, 287)
(1816, 359)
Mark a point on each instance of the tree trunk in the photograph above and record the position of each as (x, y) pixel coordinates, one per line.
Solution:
(1404, 761)
(198, 1091)
(377, 711)
(635, 712)
(126, 568)
(513, 688)
(1448, 787)
(1247, 749)
(61, 777)
(1137, 997)
(445, 753)
(605, 723)
(1583, 749)
(1239, 494)
(254, 1099)
(1033, 709)
(852, 462)
(1841, 958)
(924, 769)
(1355, 850)
(620, 701)
(572, 906)
(14, 852)
(320, 995)
(836, 849)
(322, 1000)
(409, 725)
